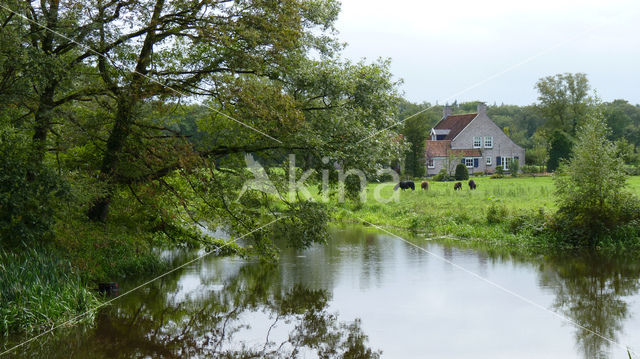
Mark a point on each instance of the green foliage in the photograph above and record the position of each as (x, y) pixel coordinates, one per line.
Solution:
(461, 172)
(591, 188)
(500, 170)
(626, 151)
(632, 170)
(560, 149)
(418, 119)
(27, 190)
(624, 120)
(496, 213)
(39, 290)
(564, 100)
(303, 225)
(442, 176)
(529, 222)
(514, 167)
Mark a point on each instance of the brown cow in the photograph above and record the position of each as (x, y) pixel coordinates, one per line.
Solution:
(457, 186)
(424, 185)
(472, 185)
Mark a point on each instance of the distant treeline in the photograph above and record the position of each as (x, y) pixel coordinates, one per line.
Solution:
(545, 129)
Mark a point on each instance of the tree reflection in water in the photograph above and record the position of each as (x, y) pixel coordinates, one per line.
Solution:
(162, 322)
(252, 310)
(590, 289)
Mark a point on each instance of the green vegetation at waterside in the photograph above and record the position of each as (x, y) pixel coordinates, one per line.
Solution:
(39, 290)
(507, 212)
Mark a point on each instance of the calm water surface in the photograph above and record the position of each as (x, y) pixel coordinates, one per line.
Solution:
(368, 295)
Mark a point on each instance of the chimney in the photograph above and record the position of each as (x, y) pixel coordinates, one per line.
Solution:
(446, 111)
(482, 108)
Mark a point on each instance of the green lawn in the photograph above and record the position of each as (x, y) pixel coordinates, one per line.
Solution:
(441, 211)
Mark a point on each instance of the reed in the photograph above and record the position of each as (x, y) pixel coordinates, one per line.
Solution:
(38, 290)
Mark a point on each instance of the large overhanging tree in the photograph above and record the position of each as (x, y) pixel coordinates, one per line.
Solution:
(266, 74)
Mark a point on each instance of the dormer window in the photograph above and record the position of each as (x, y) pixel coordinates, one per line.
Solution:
(477, 142)
(488, 142)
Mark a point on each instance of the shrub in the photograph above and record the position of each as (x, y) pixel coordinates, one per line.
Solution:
(515, 167)
(496, 213)
(500, 170)
(442, 176)
(533, 223)
(461, 172)
(632, 170)
(528, 169)
(590, 188)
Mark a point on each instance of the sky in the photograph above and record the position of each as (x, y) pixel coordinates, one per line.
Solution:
(495, 51)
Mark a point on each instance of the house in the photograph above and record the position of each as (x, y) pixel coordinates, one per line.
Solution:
(472, 139)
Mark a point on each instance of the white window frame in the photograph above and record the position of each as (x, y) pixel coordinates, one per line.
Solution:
(477, 144)
(489, 140)
(466, 159)
(431, 163)
(489, 161)
(505, 162)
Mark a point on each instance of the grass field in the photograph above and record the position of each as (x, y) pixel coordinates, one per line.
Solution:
(441, 211)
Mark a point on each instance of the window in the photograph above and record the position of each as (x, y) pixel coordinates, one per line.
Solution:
(488, 142)
(489, 161)
(468, 162)
(506, 161)
(477, 142)
(431, 163)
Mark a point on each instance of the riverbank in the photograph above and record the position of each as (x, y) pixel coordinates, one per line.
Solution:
(47, 283)
(500, 214)
(507, 212)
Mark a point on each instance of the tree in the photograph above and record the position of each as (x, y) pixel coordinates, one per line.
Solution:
(451, 161)
(415, 129)
(559, 149)
(538, 153)
(27, 190)
(51, 60)
(462, 173)
(120, 131)
(564, 100)
(173, 48)
(590, 187)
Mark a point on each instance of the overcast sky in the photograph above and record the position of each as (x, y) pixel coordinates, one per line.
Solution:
(441, 48)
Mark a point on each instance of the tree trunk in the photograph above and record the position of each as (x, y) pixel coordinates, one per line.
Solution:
(115, 144)
(127, 100)
(42, 122)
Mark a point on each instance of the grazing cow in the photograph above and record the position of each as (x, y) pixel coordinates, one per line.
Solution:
(472, 185)
(457, 186)
(405, 185)
(424, 185)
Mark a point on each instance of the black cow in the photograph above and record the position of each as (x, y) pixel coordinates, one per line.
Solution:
(472, 185)
(457, 186)
(405, 185)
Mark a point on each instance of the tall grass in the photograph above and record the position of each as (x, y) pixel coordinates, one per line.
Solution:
(37, 289)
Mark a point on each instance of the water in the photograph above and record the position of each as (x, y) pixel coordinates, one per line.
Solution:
(363, 295)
